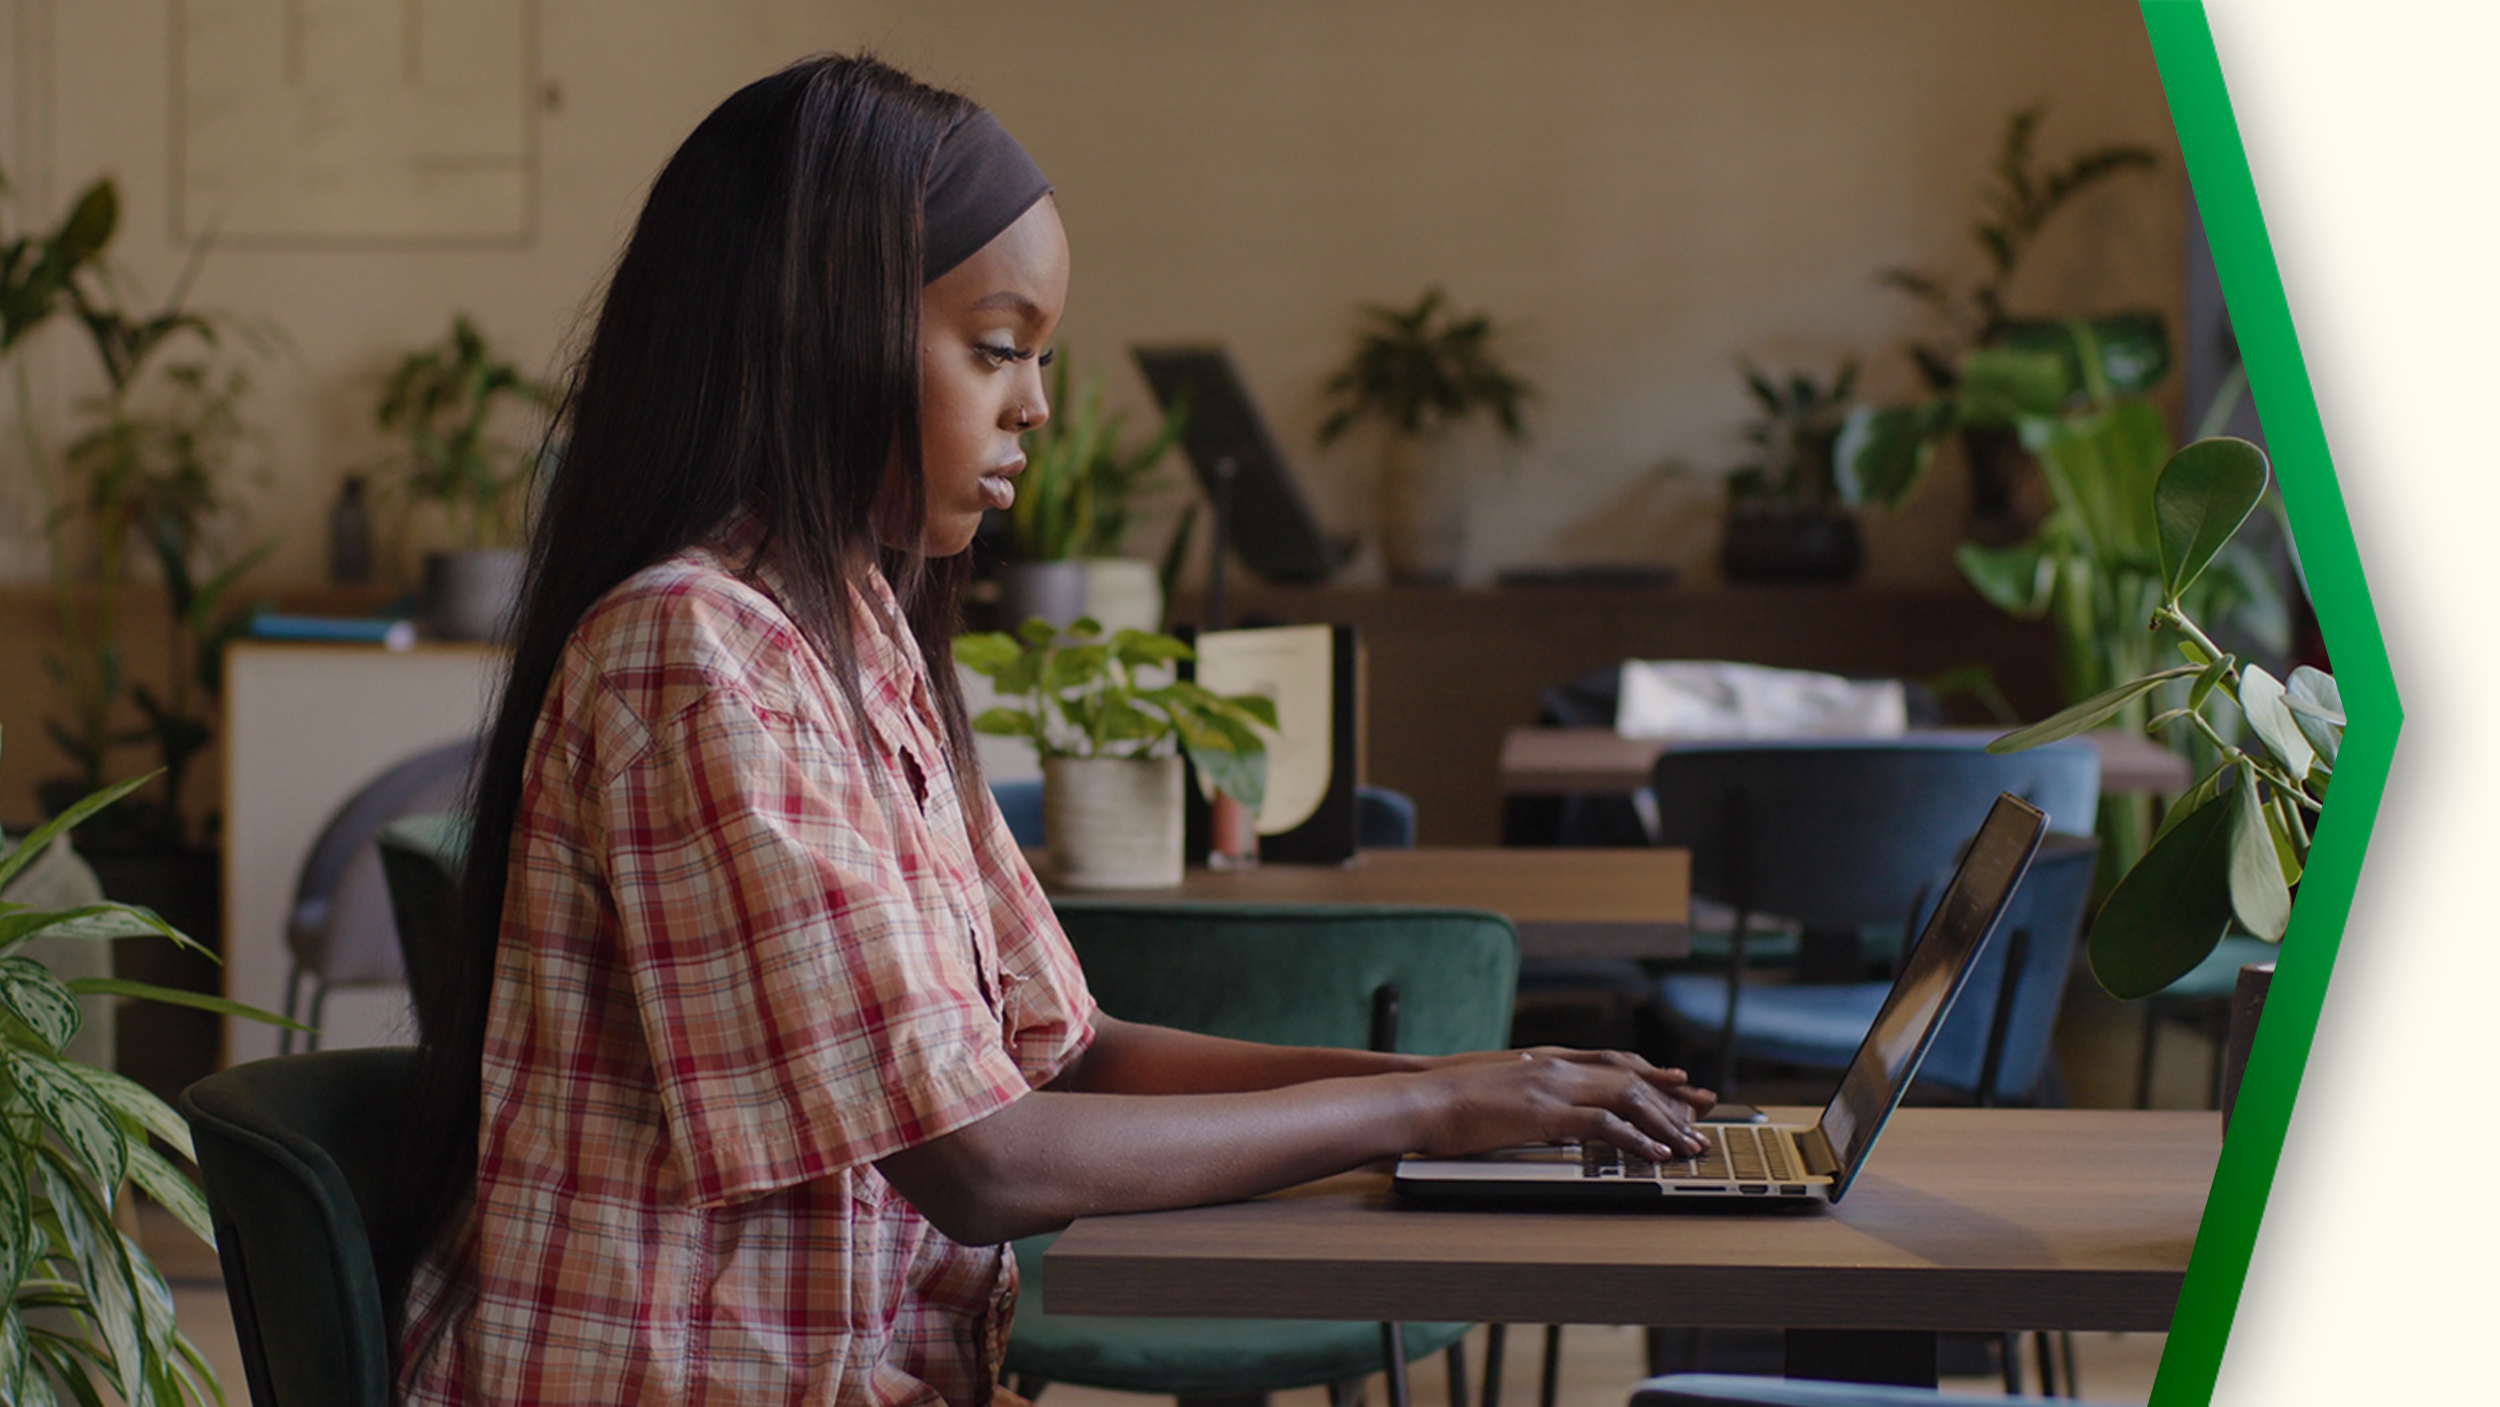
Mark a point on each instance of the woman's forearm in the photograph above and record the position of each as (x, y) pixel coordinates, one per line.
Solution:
(1128, 1058)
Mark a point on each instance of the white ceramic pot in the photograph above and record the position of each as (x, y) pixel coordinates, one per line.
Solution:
(1120, 593)
(473, 594)
(1113, 822)
(1423, 526)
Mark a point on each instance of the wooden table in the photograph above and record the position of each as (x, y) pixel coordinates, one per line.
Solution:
(1964, 1219)
(1550, 761)
(1565, 903)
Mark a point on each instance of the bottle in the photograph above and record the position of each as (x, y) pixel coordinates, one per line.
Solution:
(1234, 832)
(351, 535)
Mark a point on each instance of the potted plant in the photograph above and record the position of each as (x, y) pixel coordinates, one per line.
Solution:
(2017, 205)
(445, 399)
(88, 1315)
(1111, 742)
(1788, 510)
(1419, 371)
(2230, 850)
(1081, 482)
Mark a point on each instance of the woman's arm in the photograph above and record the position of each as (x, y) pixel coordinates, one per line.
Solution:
(1058, 1154)
(1129, 1058)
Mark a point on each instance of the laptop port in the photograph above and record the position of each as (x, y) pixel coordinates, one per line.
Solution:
(1755, 1189)
(1792, 1189)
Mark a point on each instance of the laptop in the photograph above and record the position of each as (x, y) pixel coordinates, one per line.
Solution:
(1783, 1163)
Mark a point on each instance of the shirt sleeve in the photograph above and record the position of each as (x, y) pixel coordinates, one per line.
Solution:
(810, 998)
(1048, 1009)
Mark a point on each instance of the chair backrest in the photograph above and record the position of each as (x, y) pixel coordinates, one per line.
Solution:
(1843, 836)
(339, 928)
(1301, 974)
(1383, 819)
(422, 859)
(296, 1153)
(1020, 801)
(2045, 920)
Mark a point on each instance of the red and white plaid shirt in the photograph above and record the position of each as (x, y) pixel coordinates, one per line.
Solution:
(747, 951)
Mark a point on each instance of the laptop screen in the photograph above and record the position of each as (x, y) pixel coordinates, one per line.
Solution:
(1931, 974)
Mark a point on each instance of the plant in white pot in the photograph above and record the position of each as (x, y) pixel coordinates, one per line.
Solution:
(1111, 740)
(445, 400)
(1419, 371)
(1074, 506)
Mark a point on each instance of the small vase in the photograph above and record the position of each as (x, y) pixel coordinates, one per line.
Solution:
(1423, 526)
(473, 594)
(1113, 822)
(2248, 1002)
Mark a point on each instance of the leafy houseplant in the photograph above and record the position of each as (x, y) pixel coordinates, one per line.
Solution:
(1111, 742)
(1418, 371)
(1788, 516)
(1074, 501)
(87, 1313)
(2232, 847)
(2018, 204)
(443, 400)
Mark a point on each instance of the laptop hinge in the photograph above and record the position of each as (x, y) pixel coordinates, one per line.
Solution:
(1817, 1151)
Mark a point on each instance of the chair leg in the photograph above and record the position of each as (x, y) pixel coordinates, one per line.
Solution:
(1346, 1392)
(2066, 1354)
(1393, 1362)
(1549, 1377)
(294, 980)
(1456, 1357)
(1495, 1336)
(2010, 1359)
(2144, 1056)
(2048, 1365)
(312, 1014)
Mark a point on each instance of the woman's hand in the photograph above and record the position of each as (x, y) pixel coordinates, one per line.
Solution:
(1553, 1094)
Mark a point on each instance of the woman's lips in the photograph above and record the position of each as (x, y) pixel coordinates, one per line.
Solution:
(998, 487)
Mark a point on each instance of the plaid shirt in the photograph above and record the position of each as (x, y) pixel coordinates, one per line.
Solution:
(747, 951)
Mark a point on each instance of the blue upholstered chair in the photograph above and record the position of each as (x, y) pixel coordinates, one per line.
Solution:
(1432, 981)
(1840, 837)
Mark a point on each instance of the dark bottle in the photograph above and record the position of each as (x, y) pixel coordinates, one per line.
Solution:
(351, 535)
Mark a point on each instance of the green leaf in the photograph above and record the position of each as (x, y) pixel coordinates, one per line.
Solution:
(1037, 633)
(88, 923)
(132, 1101)
(1075, 666)
(18, 1242)
(2169, 911)
(2090, 713)
(2213, 675)
(2206, 789)
(1006, 723)
(2259, 897)
(100, 1257)
(2317, 707)
(1139, 648)
(170, 996)
(986, 653)
(2291, 845)
(2261, 700)
(13, 1353)
(29, 989)
(2017, 580)
(27, 849)
(160, 1179)
(75, 1112)
(2006, 385)
(1882, 455)
(2205, 492)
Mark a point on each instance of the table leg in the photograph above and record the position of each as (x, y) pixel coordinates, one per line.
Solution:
(1904, 1357)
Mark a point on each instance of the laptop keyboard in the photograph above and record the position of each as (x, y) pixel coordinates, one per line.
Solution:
(1738, 1153)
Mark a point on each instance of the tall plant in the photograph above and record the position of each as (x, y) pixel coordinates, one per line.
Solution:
(1420, 368)
(2230, 850)
(443, 399)
(87, 1313)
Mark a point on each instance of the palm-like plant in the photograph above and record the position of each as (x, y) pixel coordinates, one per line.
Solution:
(1423, 367)
(1081, 477)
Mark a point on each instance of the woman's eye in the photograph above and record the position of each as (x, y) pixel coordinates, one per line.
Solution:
(996, 355)
(1050, 356)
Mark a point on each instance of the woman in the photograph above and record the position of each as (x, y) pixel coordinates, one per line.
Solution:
(761, 1037)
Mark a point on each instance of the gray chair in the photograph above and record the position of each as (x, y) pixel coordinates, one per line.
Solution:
(339, 931)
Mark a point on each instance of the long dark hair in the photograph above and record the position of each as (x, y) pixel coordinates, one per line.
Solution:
(758, 347)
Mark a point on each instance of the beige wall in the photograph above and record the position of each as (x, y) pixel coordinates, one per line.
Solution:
(1641, 191)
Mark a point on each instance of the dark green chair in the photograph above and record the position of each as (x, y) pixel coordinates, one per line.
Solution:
(421, 861)
(1729, 1390)
(1424, 980)
(295, 1152)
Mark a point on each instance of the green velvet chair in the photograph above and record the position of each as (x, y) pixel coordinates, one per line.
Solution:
(1425, 980)
(421, 860)
(294, 1151)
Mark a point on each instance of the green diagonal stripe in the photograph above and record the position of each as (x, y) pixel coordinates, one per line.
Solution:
(2209, 139)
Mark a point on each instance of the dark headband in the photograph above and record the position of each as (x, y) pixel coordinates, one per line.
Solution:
(979, 183)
